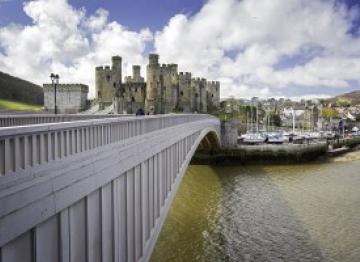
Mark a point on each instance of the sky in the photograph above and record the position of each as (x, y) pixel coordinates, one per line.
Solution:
(277, 48)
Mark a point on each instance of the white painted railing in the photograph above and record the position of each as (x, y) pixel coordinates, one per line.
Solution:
(31, 119)
(108, 200)
(26, 147)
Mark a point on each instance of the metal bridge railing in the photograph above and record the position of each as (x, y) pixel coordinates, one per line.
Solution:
(26, 147)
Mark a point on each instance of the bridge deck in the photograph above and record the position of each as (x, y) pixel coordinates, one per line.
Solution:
(92, 190)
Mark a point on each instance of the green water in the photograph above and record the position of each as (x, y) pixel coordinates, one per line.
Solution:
(307, 212)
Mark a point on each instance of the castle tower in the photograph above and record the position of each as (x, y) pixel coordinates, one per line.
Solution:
(116, 63)
(216, 99)
(195, 90)
(116, 73)
(108, 82)
(213, 95)
(136, 73)
(169, 86)
(185, 94)
(153, 89)
(203, 96)
(134, 91)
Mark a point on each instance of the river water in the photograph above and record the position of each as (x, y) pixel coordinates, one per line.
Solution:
(305, 212)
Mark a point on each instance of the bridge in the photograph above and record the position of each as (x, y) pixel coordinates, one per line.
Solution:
(92, 189)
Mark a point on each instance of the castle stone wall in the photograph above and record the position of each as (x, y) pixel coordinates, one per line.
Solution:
(213, 95)
(169, 83)
(165, 90)
(107, 81)
(185, 94)
(153, 88)
(203, 96)
(70, 98)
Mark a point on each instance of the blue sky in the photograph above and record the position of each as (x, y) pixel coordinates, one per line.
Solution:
(135, 14)
(290, 48)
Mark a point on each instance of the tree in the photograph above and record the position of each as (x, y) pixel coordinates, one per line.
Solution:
(343, 102)
(276, 120)
(358, 117)
(329, 112)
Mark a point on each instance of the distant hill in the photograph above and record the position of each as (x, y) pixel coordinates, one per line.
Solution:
(354, 97)
(16, 89)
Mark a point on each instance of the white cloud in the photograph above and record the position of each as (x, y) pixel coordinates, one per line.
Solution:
(64, 40)
(256, 48)
(259, 35)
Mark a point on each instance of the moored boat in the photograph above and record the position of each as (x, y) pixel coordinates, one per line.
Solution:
(254, 138)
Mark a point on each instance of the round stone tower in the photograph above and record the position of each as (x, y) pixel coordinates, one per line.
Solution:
(153, 59)
(116, 63)
(116, 72)
(153, 90)
(184, 103)
(136, 73)
(98, 81)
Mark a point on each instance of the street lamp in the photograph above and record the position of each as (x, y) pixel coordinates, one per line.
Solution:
(55, 81)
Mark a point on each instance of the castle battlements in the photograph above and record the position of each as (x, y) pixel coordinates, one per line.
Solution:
(169, 67)
(153, 59)
(71, 98)
(185, 75)
(103, 68)
(66, 88)
(166, 90)
(65, 85)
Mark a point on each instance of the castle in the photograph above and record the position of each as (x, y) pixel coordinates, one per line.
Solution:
(165, 91)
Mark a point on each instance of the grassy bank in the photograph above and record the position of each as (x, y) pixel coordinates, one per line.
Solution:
(17, 106)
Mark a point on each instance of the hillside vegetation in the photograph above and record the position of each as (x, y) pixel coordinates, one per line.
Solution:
(352, 97)
(16, 89)
(18, 106)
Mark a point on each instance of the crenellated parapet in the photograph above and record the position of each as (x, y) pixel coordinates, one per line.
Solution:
(185, 92)
(70, 98)
(165, 90)
(213, 95)
(136, 76)
(108, 81)
(66, 87)
(169, 69)
(185, 75)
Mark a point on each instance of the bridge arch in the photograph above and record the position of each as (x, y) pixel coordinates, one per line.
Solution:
(96, 189)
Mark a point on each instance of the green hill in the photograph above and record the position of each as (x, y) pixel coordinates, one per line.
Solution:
(352, 97)
(16, 89)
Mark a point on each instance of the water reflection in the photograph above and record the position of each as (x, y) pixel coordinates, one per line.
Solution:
(266, 213)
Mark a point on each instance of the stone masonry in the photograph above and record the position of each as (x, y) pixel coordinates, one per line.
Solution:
(185, 92)
(70, 98)
(131, 96)
(166, 90)
(107, 80)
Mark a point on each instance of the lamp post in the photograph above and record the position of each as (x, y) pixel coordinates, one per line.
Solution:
(55, 81)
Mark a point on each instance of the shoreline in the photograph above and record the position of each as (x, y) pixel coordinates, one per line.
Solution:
(275, 154)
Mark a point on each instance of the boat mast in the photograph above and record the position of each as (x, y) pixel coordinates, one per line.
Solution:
(293, 115)
(257, 117)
